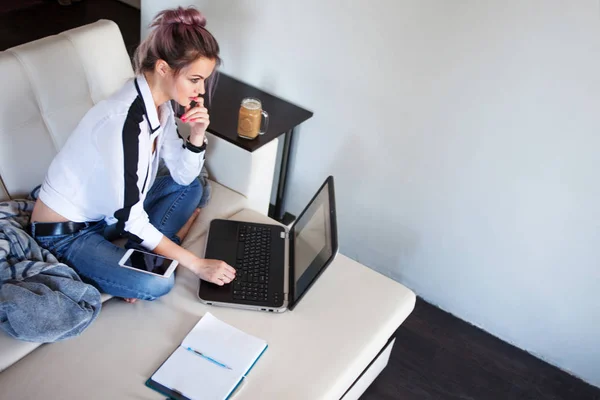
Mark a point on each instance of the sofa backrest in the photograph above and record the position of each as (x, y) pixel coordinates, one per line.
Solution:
(47, 87)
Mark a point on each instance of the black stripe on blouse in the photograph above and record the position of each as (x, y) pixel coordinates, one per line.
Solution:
(131, 148)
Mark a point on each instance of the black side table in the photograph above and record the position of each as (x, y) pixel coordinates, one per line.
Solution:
(284, 117)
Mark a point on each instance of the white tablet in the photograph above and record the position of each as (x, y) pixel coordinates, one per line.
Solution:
(148, 263)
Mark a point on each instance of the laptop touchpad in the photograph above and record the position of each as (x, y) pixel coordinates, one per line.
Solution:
(224, 250)
(223, 230)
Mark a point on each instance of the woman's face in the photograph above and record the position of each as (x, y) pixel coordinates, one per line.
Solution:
(190, 83)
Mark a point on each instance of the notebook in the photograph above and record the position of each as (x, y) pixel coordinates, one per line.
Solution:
(210, 363)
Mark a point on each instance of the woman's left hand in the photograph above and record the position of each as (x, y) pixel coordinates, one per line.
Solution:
(197, 116)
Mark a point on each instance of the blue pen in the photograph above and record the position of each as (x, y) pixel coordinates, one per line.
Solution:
(212, 360)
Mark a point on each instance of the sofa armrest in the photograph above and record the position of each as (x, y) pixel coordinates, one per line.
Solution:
(248, 173)
(3, 191)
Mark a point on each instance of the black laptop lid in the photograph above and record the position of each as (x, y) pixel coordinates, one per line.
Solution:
(314, 242)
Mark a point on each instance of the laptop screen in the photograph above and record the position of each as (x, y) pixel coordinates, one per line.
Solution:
(315, 240)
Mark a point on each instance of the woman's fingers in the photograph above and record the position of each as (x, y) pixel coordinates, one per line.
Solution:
(219, 272)
(228, 275)
(194, 116)
(197, 114)
(198, 118)
(196, 111)
(230, 270)
(225, 273)
(189, 110)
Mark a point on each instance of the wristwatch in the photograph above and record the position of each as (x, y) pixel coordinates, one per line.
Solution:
(193, 148)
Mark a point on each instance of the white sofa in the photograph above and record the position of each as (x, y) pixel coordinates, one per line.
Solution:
(332, 346)
(47, 87)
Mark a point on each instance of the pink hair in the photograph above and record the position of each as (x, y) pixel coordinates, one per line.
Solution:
(178, 37)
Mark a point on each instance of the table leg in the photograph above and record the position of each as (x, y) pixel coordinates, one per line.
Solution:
(277, 211)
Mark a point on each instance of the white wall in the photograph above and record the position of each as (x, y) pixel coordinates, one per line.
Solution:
(464, 138)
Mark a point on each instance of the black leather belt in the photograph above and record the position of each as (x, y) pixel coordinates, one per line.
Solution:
(58, 228)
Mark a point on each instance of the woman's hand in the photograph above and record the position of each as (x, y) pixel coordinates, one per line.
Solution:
(215, 271)
(197, 117)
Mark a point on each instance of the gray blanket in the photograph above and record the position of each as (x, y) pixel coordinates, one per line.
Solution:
(41, 300)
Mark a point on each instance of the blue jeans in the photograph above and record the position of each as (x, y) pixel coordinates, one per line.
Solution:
(96, 260)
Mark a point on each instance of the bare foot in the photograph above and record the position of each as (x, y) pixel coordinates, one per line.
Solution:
(130, 301)
(182, 233)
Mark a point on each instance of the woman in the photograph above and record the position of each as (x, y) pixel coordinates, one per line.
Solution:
(106, 173)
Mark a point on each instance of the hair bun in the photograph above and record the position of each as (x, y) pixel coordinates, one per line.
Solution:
(186, 16)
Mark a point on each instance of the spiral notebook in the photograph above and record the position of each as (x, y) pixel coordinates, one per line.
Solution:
(211, 362)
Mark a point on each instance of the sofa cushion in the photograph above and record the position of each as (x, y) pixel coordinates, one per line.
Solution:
(53, 82)
(12, 350)
(3, 193)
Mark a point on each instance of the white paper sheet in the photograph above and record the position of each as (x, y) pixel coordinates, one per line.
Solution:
(198, 378)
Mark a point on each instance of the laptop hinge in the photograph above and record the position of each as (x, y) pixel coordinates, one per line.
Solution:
(285, 235)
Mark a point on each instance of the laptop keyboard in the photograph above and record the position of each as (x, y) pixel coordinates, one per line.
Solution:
(253, 262)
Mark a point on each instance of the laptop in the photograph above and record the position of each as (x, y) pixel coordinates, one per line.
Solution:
(275, 266)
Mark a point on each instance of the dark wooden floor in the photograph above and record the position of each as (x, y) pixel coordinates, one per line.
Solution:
(436, 356)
